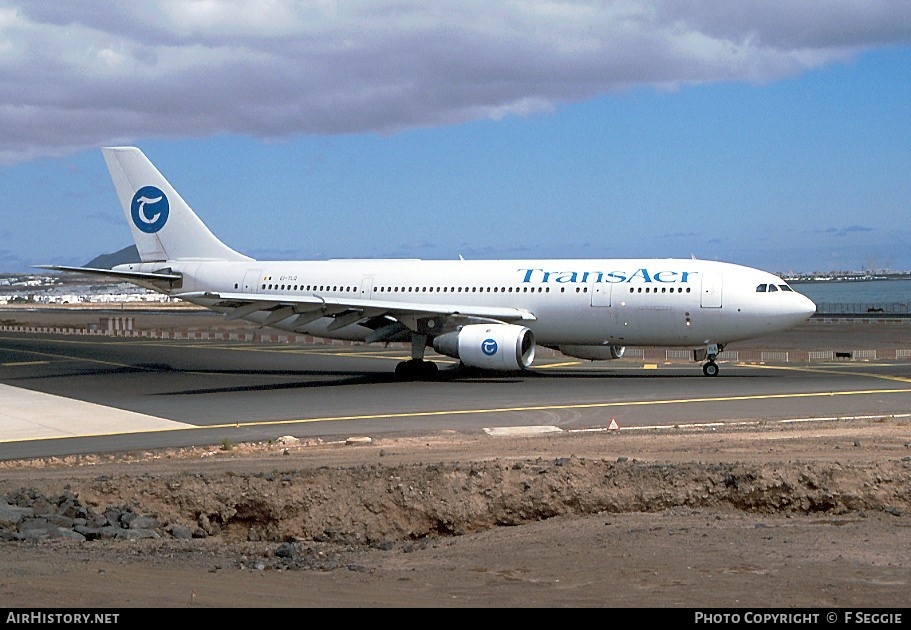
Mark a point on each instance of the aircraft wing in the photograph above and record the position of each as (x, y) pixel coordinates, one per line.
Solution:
(347, 311)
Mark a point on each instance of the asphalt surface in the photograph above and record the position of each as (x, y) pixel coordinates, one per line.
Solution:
(71, 394)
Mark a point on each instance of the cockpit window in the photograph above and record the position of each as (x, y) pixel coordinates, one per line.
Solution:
(769, 288)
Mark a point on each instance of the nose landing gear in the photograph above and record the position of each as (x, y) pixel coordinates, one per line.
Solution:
(710, 368)
(710, 353)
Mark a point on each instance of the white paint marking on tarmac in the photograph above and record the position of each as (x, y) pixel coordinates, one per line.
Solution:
(27, 415)
(514, 431)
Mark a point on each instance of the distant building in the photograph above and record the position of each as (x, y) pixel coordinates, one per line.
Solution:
(51, 290)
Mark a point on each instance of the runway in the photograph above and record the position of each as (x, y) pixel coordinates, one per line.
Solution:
(67, 395)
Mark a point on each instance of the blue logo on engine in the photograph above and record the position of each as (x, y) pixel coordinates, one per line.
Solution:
(489, 347)
(149, 209)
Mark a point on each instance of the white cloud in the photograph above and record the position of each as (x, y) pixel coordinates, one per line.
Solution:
(84, 74)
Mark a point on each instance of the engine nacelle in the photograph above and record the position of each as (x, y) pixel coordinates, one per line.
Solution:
(594, 353)
(489, 346)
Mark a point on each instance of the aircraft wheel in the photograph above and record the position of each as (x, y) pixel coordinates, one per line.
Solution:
(429, 368)
(710, 369)
(416, 369)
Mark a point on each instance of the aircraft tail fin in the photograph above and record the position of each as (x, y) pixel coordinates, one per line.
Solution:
(163, 226)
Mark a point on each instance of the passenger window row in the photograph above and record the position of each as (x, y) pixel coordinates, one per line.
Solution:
(349, 289)
(655, 290)
(352, 289)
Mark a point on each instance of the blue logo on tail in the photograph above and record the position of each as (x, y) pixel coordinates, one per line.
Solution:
(489, 347)
(149, 209)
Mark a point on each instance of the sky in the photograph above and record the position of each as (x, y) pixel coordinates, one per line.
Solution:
(765, 133)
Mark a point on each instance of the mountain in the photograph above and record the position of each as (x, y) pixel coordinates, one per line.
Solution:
(107, 261)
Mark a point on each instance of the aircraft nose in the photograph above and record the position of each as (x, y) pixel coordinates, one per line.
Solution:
(805, 307)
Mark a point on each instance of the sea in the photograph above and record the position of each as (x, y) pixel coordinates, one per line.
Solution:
(858, 296)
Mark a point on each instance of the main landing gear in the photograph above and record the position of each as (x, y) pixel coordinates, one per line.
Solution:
(416, 368)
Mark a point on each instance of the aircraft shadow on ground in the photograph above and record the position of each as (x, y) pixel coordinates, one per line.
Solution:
(327, 379)
(347, 378)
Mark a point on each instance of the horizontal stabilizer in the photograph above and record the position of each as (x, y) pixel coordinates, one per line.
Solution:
(125, 275)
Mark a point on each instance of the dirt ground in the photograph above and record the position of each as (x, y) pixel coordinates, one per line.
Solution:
(771, 517)
(812, 515)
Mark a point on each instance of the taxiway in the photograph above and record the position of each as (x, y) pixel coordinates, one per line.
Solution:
(65, 395)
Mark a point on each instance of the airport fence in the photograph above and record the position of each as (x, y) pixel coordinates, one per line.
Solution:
(862, 309)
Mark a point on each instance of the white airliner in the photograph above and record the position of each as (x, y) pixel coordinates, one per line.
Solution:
(489, 314)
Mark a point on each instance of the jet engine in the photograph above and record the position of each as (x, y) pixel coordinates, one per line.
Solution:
(489, 346)
(594, 353)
